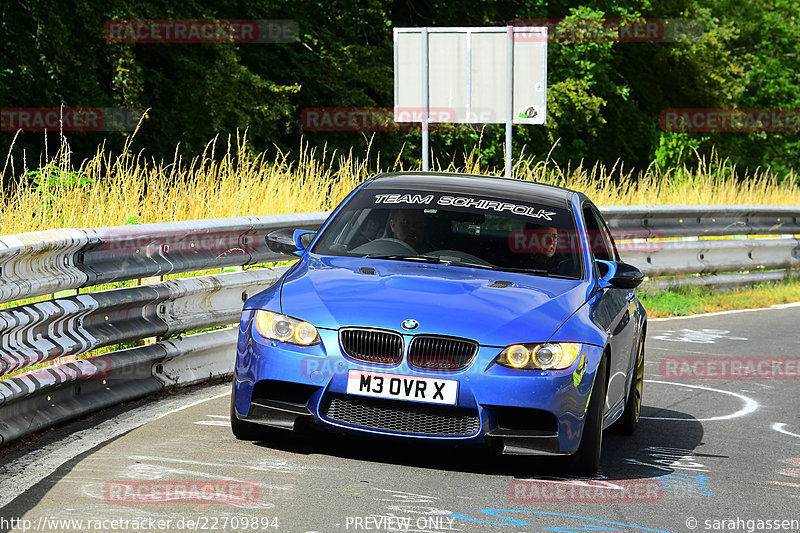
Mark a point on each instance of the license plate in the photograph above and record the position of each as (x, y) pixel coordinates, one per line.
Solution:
(398, 387)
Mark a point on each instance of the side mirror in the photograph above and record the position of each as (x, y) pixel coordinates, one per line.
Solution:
(290, 241)
(302, 238)
(618, 275)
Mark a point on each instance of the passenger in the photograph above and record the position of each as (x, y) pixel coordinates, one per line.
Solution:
(544, 247)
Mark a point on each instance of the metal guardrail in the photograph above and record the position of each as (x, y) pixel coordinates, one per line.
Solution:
(39, 332)
(45, 262)
(659, 221)
(681, 258)
(55, 394)
(41, 262)
(648, 234)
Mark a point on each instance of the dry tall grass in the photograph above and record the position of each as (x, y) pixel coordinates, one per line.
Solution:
(111, 190)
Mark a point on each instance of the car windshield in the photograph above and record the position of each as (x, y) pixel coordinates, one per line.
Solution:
(462, 230)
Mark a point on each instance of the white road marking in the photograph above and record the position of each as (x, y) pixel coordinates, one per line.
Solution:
(697, 336)
(405, 497)
(669, 459)
(780, 429)
(750, 405)
(224, 422)
(779, 306)
(264, 464)
(678, 349)
(23, 473)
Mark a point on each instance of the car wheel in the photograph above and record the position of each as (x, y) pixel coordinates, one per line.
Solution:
(630, 416)
(242, 429)
(586, 460)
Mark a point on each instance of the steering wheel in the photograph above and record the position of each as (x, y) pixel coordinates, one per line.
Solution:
(404, 244)
(385, 245)
(462, 256)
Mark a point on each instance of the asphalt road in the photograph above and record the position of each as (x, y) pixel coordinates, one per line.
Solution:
(721, 453)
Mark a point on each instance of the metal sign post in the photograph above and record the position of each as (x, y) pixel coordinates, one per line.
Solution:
(509, 97)
(457, 75)
(426, 153)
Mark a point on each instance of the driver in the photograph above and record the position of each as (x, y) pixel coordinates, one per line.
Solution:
(408, 225)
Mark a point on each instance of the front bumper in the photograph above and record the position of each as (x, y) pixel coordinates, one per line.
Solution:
(521, 412)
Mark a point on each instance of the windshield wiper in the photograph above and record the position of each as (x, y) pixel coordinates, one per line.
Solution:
(400, 257)
(430, 259)
(534, 271)
(440, 261)
(471, 265)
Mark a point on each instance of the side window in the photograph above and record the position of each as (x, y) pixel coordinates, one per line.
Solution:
(607, 237)
(599, 238)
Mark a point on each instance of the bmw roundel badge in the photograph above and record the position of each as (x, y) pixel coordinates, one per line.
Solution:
(410, 324)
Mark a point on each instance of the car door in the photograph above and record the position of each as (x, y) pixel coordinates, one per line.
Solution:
(616, 308)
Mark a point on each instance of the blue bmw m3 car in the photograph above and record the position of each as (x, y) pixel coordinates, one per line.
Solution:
(453, 307)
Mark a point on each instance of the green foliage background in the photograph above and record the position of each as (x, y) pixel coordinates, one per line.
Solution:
(604, 98)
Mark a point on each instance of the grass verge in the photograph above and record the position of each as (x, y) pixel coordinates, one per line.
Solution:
(684, 301)
(224, 181)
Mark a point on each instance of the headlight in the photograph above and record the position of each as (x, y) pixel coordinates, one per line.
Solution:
(285, 329)
(540, 356)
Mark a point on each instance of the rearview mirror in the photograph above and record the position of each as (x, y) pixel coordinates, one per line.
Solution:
(618, 274)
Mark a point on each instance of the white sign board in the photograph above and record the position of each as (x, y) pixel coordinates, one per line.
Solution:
(468, 74)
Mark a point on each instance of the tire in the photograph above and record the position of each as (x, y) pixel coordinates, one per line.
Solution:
(627, 423)
(586, 460)
(241, 429)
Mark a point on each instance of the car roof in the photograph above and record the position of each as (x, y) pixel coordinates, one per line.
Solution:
(475, 184)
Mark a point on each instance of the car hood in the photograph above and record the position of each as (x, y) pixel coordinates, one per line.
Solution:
(331, 292)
